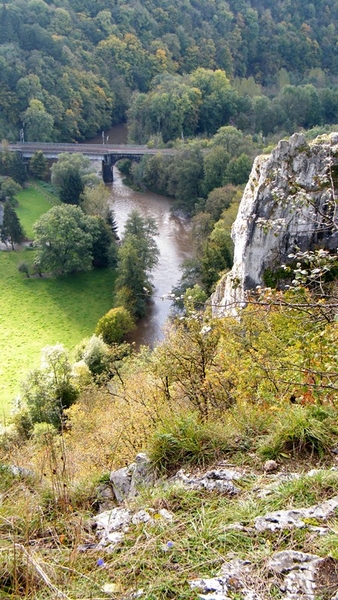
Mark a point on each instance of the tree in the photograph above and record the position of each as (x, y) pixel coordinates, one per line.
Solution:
(185, 361)
(38, 165)
(69, 166)
(220, 199)
(11, 227)
(49, 390)
(238, 170)
(64, 238)
(115, 325)
(95, 201)
(12, 166)
(104, 247)
(219, 100)
(95, 353)
(71, 187)
(230, 138)
(137, 255)
(186, 179)
(215, 163)
(144, 229)
(38, 122)
(8, 189)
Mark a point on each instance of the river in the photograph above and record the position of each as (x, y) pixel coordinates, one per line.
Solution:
(175, 245)
(174, 242)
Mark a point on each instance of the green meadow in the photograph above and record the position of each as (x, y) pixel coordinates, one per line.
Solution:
(32, 204)
(36, 312)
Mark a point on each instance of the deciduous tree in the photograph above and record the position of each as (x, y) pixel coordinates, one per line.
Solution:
(49, 390)
(38, 122)
(75, 168)
(115, 325)
(64, 238)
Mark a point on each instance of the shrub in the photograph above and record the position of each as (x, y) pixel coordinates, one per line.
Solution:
(23, 268)
(95, 353)
(185, 440)
(299, 432)
(114, 325)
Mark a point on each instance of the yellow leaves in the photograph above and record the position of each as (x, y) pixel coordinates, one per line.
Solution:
(161, 58)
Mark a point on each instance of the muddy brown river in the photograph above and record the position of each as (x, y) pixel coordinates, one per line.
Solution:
(174, 242)
(175, 245)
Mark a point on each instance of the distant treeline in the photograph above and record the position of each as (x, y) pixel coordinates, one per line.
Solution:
(69, 69)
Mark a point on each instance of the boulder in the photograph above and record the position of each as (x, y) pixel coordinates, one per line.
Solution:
(126, 481)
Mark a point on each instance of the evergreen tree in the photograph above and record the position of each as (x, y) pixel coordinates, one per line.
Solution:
(102, 251)
(72, 187)
(137, 256)
(38, 165)
(11, 227)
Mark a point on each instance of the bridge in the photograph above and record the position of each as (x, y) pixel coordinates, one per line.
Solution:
(109, 154)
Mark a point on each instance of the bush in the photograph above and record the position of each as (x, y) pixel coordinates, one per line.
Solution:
(300, 432)
(23, 268)
(114, 325)
(185, 440)
(47, 391)
(95, 354)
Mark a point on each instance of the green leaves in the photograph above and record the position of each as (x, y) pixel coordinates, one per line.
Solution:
(137, 256)
(64, 237)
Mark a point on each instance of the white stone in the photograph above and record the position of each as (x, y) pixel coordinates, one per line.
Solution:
(283, 187)
(286, 519)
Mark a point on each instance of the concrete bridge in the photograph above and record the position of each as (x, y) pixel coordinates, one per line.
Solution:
(107, 153)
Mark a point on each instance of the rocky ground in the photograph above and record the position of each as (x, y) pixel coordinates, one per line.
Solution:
(288, 572)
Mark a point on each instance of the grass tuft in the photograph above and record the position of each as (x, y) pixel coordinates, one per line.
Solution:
(187, 441)
(298, 433)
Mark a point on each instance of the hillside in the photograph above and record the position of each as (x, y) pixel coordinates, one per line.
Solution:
(207, 467)
(239, 420)
(68, 70)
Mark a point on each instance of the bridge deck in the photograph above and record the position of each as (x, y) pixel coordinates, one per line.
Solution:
(94, 151)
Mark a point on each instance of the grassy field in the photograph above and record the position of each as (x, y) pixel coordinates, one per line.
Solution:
(32, 204)
(36, 312)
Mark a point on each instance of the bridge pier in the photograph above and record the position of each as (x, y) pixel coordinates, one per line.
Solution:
(107, 169)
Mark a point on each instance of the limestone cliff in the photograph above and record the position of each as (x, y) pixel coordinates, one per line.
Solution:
(289, 202)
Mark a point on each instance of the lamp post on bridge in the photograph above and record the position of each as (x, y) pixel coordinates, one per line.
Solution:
(22, 136)
(103, 137)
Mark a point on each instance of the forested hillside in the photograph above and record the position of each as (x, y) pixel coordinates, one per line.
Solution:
(69, 69)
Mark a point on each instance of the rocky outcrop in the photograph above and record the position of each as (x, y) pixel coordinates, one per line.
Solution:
(299, 518)
(288, 203)
(217, 480)
(296, 575)
(126, 481)
(288, 574)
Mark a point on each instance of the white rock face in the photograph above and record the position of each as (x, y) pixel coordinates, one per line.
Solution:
(287, 203)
